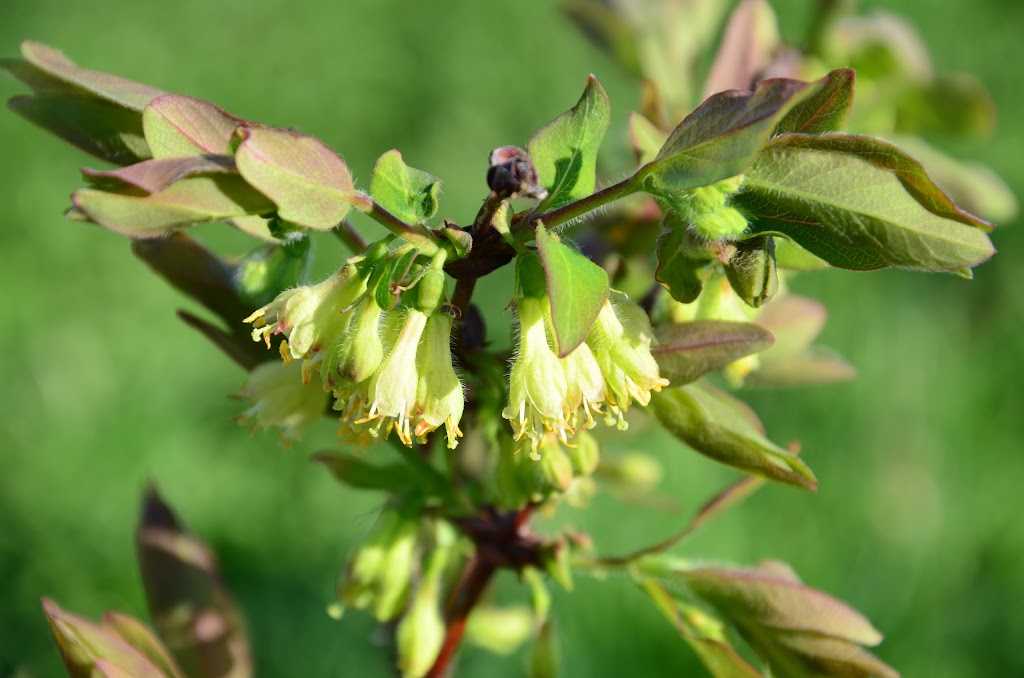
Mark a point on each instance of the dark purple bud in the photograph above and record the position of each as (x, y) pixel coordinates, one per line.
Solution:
(512, 174)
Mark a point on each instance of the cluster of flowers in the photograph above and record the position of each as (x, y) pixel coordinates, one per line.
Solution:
(607, 372)
(388, 371)
(392, 370)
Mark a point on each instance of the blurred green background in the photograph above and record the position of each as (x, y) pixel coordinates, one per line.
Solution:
(101, 388)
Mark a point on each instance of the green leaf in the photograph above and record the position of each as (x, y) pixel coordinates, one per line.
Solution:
(762, 597)
(177, 125)
(99, 128)
(140, 637)
(409, 194)
(48, 70)
(357, 473)
(565, 150)
(792, 257)
(577, 288)
(721, 138)
(687, 351)
(747, 48)
(190, 201)
(82, 643)
(825, 109)
(191, 608)
(308, 182)
(712, 648)
(153, 176)
(646, 137)
(682, 276)
(859, 203)
(973, 186)
(720, 427)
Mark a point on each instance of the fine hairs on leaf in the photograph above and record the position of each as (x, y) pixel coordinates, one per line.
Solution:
(478, 410)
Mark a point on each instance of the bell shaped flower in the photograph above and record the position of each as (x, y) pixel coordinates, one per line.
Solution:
(538, 390)
(311, 314)
(584, 387)
(355, 352)
(621, 343)
(439, 396)
(392, 391)
(281, 400)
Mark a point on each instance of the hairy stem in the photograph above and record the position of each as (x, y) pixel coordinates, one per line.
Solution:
(349, 237)
(418, 236)
(580, 207)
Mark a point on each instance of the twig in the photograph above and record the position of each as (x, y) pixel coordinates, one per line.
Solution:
(349, 237)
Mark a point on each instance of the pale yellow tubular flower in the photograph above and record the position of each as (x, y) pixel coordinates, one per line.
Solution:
(356, 352)
(537, 385)
(309, 315)
(354, 400)
(439, 396)
(584, 387)
(281, 400)
(621, 343)
(393, 389)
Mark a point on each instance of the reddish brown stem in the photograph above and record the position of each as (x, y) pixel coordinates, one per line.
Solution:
(465, 596)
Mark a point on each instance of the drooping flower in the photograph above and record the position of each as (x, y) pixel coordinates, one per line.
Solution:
(281, 400)
(621, 342)
(310, 314)
(439, 396)
(584, 387)
(355, 353)
(538, 390)
(392, 391)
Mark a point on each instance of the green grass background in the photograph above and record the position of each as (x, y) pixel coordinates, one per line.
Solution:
(101, 388)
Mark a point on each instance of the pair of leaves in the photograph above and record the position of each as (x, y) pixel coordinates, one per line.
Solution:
(723, 428)
(798, 631)
(199, 629)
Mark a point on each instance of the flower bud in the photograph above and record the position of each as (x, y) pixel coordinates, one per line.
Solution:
(280, 399)
(584, 454)
(546, 471)
(379, 571)
(421, 632)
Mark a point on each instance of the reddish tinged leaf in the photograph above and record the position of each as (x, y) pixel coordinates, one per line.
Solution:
(190, 201)
(750, 40)
(719, 426)
(752, 596)
(308, 182)
(858, 203)
(715, 652)
(177, 125)
(823, 655)
(56, 68)
(139, 636)
(82, 643)
(153, 176)
(826, 109)
(687, 351)
(721, 137)
(99, 128)
(190, 606)
(884, 155)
